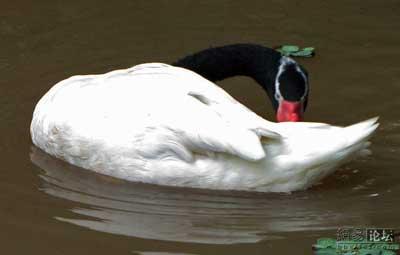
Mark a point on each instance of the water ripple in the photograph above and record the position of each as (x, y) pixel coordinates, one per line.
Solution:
(191, 215)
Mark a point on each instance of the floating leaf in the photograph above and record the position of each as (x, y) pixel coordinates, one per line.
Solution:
(326, 251)
(370, 252)
(388, 252)
(290, 48)
(326, 243)
(309, 49)
(294, 50)
(302, 54)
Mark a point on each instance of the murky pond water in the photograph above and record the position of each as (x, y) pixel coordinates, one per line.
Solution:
(49, 207)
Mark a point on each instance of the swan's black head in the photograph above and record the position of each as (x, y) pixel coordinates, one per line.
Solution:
(290, 91)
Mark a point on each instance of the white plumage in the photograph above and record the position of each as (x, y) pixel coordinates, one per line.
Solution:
(160, 124)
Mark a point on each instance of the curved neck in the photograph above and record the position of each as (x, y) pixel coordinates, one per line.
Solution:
(255, 61)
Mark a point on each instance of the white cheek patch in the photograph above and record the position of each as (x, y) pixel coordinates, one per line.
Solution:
(284, 62)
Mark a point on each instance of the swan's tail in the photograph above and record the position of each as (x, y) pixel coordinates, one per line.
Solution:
(352, 142)
(358, 135)
(321, 152)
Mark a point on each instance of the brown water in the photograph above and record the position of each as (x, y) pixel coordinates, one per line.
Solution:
(48, 207)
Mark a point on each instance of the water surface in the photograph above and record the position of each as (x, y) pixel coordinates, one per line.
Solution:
(49, 207)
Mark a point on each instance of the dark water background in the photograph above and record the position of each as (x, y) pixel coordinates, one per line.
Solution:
(48, 207)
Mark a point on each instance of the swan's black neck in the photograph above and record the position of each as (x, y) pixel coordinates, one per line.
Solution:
(281, 77)
(215, 64)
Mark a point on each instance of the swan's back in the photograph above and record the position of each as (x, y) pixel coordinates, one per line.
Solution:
(160, 124)
(148, 111)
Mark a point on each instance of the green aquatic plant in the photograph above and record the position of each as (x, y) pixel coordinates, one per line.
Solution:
(323, 243)
(295, 51)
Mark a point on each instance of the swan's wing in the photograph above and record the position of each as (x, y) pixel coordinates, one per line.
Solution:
(197, 125)
(237, 114)
(161, 111)
(193, 128)
(201, 117)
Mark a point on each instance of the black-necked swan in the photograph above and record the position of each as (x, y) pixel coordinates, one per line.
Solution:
(162, 124)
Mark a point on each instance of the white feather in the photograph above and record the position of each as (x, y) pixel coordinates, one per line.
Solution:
(161, 124)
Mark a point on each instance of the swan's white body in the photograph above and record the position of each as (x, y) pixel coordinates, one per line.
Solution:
(160, 124)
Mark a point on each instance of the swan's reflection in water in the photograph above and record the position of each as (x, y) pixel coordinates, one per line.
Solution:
(188, 215)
